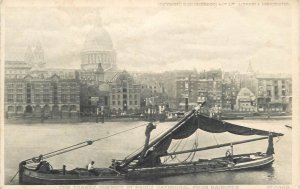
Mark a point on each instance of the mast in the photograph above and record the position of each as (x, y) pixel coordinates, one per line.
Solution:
(214, 146)
(167, 133)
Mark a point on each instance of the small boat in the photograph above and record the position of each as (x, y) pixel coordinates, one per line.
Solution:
(151, 161)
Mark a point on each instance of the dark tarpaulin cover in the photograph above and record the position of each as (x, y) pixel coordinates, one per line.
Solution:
(215, 126)
(198, 121)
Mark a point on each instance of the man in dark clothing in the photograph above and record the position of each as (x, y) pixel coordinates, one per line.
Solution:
(270, 149)
(149, 128)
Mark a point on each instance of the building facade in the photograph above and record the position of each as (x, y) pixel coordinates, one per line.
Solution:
(274, 93)
(125, 94)
(16, 69)
(42, 97)
(187, 90)
(229, 95)
(195, 88)
(245, 101)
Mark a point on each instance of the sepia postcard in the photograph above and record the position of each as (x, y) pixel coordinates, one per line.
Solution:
(171, 94)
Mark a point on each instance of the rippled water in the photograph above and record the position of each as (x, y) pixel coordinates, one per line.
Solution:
(24, 141)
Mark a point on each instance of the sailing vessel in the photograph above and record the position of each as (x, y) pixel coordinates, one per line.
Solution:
(147, 161)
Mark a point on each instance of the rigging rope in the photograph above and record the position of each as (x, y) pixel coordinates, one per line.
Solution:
(215, 139)
(79, 145)
(176, 147)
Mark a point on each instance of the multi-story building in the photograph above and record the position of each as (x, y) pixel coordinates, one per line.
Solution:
(125, 94)
(187, 89)
(274, 93)
(229, 94)
(196, 88)
(213, 89)
(42, 96)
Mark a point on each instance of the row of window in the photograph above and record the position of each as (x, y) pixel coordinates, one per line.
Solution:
(130, 102)
(124, 96)
(38, 98)
(269, 92)
(15, 71)
(39, 85)
(125, 91)
(129, 87)
(270, 82)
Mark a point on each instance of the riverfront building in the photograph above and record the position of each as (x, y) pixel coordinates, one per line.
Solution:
(40, 96)
(125, 94)
(274, 93)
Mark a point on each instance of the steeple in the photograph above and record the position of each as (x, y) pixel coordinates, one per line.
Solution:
(250, 69)
(28, 57)
(38, 54)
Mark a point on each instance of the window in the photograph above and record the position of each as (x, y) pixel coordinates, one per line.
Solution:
(72, 98)
(37, 98)
(46, 90)
(119, 102)
(135, 102)
(114, 102)
(63, 98)
(46, 98)
(10, 91)
(10, 98)
(19, 98)
(20, 91)
(10, 85)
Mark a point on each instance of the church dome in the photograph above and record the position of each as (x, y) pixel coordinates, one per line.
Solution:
(98, 39)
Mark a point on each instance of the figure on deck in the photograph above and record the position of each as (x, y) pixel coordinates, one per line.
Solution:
(149, 128)
(91, 168)
(270, 150)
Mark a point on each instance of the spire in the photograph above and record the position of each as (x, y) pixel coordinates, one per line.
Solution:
(38, 55)
(28, 57)
(38, 52)
(250, 69)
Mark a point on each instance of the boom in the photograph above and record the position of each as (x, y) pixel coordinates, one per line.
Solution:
(214, 146)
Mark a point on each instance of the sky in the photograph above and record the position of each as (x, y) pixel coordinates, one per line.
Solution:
(159, 38)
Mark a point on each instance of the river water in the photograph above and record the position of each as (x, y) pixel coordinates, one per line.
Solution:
(23, 141)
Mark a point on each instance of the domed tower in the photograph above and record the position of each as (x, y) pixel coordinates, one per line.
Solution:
(98, 48)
